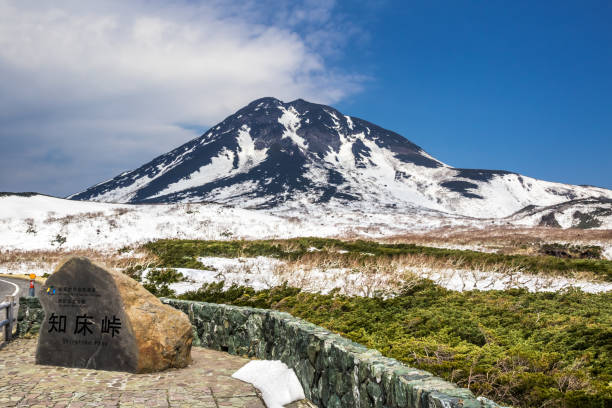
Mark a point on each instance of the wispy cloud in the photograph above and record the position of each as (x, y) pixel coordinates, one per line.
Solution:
(91, 88)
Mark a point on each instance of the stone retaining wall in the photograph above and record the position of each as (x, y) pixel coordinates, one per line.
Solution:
(334, 371)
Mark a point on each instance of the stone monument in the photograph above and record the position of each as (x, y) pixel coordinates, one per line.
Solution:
(102, 319)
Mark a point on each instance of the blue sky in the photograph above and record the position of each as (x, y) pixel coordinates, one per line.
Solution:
(516, 85)
(90, 90)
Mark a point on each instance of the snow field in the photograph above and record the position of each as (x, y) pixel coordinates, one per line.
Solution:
(34, 223)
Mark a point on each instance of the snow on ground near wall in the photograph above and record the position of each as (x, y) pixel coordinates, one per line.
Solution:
(34, 223)
(258, 273)
(263, 273)
(278, 383)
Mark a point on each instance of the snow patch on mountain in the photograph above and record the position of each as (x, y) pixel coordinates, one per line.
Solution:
(222, 166)
(219, 166)
(578, 213)
(349, 122)
(291, 121)
(248, 155)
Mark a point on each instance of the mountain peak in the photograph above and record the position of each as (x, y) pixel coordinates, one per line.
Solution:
(272, 154)
(264, 100)
(299, 104)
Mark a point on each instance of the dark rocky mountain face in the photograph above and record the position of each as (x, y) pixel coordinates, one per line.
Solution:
(279, 155)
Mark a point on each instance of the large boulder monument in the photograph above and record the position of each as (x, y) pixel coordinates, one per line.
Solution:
(102, 319)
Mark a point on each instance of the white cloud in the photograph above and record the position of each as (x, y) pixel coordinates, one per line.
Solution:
(105, 83)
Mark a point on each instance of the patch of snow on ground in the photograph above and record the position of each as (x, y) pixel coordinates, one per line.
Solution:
(278, 383)
(258, 273)
(264, 273)
(607, 253)
(462, 247)
(465, 280)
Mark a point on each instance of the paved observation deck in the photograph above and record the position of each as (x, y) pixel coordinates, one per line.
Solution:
(206, 383)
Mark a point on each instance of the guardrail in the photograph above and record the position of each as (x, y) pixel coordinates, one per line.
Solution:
(10, 317)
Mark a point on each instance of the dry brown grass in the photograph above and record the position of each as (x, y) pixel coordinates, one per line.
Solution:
(48, 259)
(387, 275)
(378, 264)
(510, 240)
(379, 277)
(68, 219)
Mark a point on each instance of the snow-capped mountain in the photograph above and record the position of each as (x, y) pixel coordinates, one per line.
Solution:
(300, 155)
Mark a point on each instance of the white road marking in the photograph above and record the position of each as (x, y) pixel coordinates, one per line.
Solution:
(11, 283)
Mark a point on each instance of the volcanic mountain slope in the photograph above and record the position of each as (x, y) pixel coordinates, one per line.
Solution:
(584, 213)
(299, 155)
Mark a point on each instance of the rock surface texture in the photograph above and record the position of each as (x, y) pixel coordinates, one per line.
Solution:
(101, 319)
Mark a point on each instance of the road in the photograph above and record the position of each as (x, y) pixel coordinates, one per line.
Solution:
(8, 287)
(14, 287)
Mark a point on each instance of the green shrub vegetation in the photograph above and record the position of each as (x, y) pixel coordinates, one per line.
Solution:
(157, 280)
(167, 275)
(571, 251)
(519, 348)
(184, 253)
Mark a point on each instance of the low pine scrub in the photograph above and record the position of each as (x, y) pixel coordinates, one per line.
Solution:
(515, 347)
